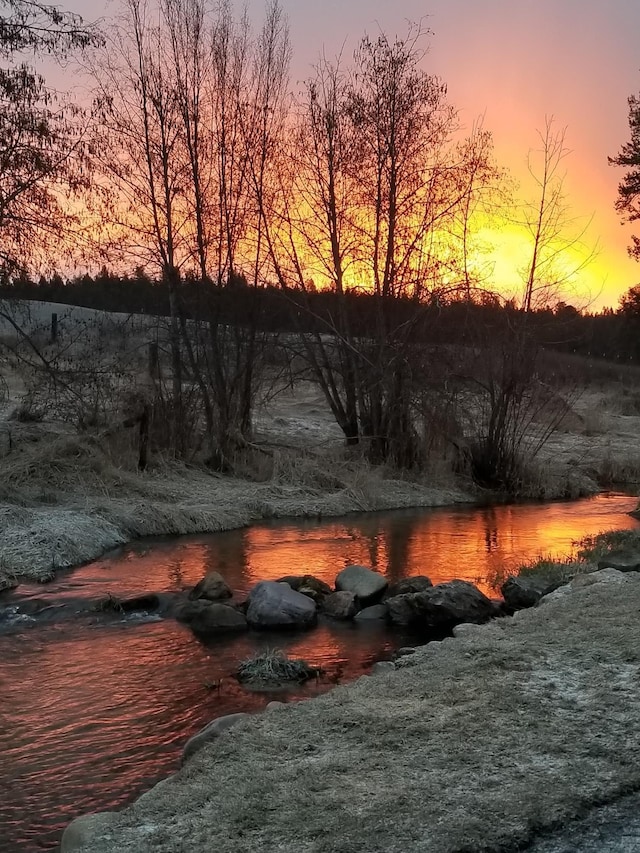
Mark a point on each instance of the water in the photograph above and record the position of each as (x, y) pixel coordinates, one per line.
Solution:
(95, 709)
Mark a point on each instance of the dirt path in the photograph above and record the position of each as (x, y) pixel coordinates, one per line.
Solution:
(481, 742)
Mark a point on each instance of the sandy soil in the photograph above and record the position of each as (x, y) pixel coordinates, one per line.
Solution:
(477, 743)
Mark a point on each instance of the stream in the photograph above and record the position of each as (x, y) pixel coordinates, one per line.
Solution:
(95, 708)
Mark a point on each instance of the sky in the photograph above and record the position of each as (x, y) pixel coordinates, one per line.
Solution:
(515, 63)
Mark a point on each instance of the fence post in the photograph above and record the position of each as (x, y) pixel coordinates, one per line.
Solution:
(154, 362)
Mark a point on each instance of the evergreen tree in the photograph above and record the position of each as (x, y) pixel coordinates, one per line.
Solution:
(628, 202)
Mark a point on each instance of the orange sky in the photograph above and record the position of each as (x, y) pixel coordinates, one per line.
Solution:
(515, 62)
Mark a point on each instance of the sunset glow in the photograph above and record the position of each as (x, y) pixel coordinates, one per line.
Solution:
(513, 64)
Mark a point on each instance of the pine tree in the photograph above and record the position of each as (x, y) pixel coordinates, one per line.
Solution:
(628, 202)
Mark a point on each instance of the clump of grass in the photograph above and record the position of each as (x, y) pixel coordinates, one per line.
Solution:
(556, 571)
(27, 413)
(619, 470)
(110, 604)
(274, 667)
(594, 548)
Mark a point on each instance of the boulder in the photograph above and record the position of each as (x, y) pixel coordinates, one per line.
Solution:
(307, 585)
(442, 607)
(80, 833)
(276, 605)
(383, 666)
(418, 583)
(522, 591)
(405, 651)
(340, 605)
(366, 584)
(208, 618)
(213, 587)
(375, 613)
(623, 561)
(211, 732)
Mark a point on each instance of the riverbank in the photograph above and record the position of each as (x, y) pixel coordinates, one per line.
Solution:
(480, 742)
(67, 498)
(65, 501)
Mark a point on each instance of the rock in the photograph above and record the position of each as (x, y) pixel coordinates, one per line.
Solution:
(307, 585)
(622, 561)
(418, 583)
(441, 607)
(209, 618)
(82, 830)
(146, 601)
(211, 732)
(366, 584)
(213, 587)
(275, 704)
(383, 666)
(522, 591)
(7, 584)
(609, 575)
(405, 651)
(33, 606)
(464, 629)
(276, 605)
(375, 613)
(340, 605)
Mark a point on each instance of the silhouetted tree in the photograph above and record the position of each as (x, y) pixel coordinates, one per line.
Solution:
(42, 145)
(630, 301)
(628, 202)
(553, 230)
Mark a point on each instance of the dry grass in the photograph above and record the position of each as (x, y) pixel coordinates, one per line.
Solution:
(70, 497)
(595, 548)
(273, 667)
(549, 568)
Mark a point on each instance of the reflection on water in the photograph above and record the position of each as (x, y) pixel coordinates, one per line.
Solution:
(91, 715)
(463, 542)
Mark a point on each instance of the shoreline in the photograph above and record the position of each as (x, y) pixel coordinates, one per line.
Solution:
(40, 539)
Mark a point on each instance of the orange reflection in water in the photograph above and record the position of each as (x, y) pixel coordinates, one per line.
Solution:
(470, 543)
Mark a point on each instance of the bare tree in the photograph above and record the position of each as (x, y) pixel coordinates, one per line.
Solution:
(140, 152)
(556, 235)
(375, 187)
(42, 143)
(190, 110)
